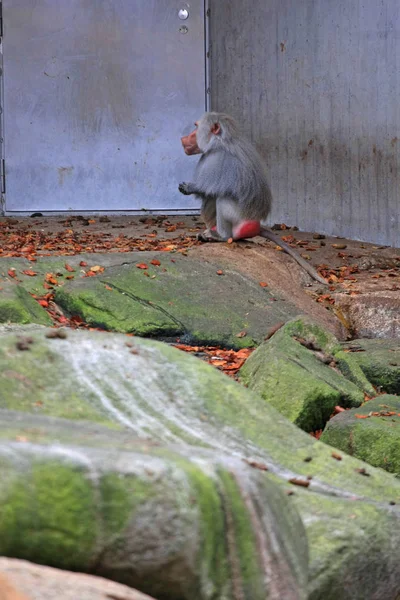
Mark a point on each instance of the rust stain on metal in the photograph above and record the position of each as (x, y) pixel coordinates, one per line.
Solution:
(62, 172)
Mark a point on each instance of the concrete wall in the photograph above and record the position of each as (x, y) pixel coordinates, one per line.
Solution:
(316, 84)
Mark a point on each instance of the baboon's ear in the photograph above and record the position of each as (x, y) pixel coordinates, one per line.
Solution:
(216, 129)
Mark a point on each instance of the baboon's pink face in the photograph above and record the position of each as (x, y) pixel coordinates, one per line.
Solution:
(189, 143)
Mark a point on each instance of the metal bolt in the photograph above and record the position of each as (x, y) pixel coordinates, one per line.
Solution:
(183, 29)
(183, 14)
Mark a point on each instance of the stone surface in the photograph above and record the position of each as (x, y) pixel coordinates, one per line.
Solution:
(372, 314)
(45, 583)
(292, 372)
(8, 591)
(18, 306)
(372, 363)
(166, 488)
(174, 299)
(371, 432)
(241, 263)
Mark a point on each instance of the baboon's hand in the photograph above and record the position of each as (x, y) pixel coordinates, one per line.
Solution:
(184, 189)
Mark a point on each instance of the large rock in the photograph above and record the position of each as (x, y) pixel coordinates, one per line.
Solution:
(295, 371)
(167, 489)
(173, 299)
(167, 300)
(371, 432)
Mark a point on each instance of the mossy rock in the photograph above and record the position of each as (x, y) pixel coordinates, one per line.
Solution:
(18, 306)
(163, 479)
(291, 373)
(370, 432)
(372, 363)
(180, 297)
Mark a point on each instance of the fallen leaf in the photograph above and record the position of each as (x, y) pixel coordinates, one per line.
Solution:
(256, 464)
(242, 334)
(69, 268)
(363, 471)
(336, 456)
(155, 262)
(301, 482)
(97, 269)
(29, 272)
(219, 272)
(12, 273)
(142, 266)
(49, 278)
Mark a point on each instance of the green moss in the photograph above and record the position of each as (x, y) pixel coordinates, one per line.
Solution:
(305, 328)
(50, 517)
(377, 360)
(353, 535)
(18, 306)
(353, 372)
(29, 375)
(113, 311)
(121, 495)
(245, 542)
(294, 380)
(212, 552)
(376, 439)
(174, 300)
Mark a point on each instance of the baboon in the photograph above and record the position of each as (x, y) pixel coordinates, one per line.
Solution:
(231, 181)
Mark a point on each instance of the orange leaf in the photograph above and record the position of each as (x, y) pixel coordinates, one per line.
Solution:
(51, 279)
(336, 456)
(155, 262)
(219, 272)
(142, 266)
(69, 268)
(301, 482)
(361, 416)
(97, 269)
(29, 272)
(12, 273)
(242, 334)
(263, 284)
(83, 263)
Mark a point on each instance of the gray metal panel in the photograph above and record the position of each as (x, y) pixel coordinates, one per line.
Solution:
(316, 83)
(97, 95)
